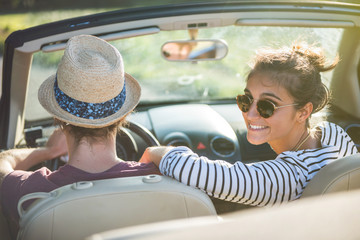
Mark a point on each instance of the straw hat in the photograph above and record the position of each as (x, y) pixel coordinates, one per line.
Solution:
(90, 88)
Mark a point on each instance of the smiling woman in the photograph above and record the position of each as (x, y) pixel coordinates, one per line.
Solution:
(287, 88)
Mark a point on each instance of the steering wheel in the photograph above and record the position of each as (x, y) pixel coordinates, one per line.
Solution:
(127, 147)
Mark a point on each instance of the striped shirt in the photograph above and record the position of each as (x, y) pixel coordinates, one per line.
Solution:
(270, 182)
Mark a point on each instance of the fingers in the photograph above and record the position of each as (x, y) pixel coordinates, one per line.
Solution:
(154, 154)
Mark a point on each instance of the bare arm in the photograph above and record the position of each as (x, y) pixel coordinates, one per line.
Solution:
(23, 159)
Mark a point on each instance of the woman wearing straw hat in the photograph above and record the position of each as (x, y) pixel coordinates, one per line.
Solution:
(89, 96)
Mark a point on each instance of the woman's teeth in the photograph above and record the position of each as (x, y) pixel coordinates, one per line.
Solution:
(256, 127)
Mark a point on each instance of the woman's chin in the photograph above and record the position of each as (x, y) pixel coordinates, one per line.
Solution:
(255, 141)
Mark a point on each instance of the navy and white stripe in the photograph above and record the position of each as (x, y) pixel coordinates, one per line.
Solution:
(263, 183)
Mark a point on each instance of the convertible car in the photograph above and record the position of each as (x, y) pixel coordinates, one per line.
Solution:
(191, 60)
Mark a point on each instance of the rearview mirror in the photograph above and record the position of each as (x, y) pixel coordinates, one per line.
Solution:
(194, 50)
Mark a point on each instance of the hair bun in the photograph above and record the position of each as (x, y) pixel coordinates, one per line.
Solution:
(315, 56)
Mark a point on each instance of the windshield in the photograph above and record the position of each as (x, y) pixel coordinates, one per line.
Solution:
(171, 82)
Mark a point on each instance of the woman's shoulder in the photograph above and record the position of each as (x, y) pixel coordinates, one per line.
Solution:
(306, 156)
(324, 125)
(332, 134)
(21, 175)
(327, 128)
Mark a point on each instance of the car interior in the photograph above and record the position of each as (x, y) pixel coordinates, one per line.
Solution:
(188, 99)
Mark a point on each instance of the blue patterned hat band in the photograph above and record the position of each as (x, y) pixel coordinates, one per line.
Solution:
(89, 110)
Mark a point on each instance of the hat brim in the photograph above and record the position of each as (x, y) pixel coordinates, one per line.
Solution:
(47, 100)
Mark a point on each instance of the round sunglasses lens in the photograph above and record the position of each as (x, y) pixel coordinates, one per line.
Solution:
(243, 102)
(265, 108)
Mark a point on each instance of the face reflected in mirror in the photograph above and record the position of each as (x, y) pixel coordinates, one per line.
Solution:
(194, 50)
(177, 50)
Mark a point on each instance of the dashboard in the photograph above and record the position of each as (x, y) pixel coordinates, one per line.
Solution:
(215, 131)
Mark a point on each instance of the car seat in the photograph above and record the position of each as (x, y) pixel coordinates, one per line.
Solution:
(340, 175)
(81, 209)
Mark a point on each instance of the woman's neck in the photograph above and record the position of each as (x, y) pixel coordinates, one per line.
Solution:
(303, 139)
(313, 142)
(291, 141)
(93, 156)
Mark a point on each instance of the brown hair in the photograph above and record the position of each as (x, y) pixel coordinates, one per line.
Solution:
(91, 134)
(297, 69)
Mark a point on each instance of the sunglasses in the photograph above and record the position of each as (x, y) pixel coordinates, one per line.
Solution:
(265, 108)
